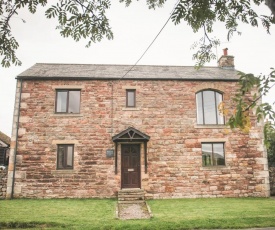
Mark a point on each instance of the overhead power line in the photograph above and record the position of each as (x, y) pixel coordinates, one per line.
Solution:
(152, 41)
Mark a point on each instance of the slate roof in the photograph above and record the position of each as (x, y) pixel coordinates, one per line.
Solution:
(5, 138)
(145, 72)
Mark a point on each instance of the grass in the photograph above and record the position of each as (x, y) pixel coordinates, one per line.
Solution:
(168, 214)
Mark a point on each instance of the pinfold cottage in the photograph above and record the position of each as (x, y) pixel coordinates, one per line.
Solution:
(91, 130)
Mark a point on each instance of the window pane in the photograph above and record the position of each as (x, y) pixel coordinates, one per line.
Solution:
(61, 102)
(209, 107)
(218, 154)
(131, 98)
(220, 116)
(199, 108)
(60, 157)
(70, 156)
(206, 154)
(74, 102)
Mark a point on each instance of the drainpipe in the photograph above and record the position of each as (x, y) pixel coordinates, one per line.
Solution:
(16, 140)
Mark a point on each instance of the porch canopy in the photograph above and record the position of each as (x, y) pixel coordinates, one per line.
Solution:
(131, 135)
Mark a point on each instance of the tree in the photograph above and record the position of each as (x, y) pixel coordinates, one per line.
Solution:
(77, 19)
(87, 19)
(244, 104)
(270, 138)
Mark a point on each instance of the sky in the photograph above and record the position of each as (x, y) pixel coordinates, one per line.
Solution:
(134, 29)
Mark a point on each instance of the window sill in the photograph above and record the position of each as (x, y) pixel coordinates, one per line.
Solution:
(210, 126)
(67, 115)
(215, 167)
(131, 109)
(63, 172)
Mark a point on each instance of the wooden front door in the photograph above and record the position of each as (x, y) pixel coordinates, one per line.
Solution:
(130, 166)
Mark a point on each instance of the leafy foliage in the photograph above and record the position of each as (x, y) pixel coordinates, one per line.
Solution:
(8, 43)
(247, 101)
(270, 140)
(204, 53)
(76, 18)
(82, 19)
(87, 19)
(202, 14)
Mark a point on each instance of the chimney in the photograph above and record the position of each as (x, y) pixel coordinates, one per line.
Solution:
(226, 61)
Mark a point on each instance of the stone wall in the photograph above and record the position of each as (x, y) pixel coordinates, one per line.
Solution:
(166, 111)
(3, 182)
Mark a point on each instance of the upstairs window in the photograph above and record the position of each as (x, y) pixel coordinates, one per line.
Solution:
(65, 156)
(213, 154)
(130, 98)
(207, 108)
(67, 101)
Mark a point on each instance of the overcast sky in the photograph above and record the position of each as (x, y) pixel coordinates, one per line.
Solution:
(134, 29)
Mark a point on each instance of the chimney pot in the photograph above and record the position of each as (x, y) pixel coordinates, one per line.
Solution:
(225, 51)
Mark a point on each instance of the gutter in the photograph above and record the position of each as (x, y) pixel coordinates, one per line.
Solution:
(38, 78)
(16, 140)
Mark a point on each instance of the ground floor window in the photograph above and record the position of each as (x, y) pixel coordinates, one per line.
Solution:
(65, 156)
(3, 159)
(213, 154)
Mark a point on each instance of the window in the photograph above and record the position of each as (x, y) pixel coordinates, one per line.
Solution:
(65, 156)
(3, 160)
(130, 98)
(67, 101)
(212, 154)
(207, 108)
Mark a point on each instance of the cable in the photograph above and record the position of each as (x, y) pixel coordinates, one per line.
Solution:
(112, 103)
(152, 41)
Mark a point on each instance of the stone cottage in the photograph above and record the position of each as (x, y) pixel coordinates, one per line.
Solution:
(93, 130)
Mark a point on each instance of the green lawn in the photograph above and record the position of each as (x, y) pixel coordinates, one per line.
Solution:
(168, 214)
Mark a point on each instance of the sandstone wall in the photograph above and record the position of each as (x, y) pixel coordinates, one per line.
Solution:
(3, 182)
(166, 111)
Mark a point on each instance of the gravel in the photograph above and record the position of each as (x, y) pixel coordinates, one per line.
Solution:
(133, 211)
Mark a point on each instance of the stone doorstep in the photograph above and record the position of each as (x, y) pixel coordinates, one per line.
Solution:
(137, 196)
(131, 195)
(130, 201)
(131, 192)
(137, 190)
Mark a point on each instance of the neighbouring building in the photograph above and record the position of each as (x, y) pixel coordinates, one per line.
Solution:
(4, 149)
(4, 160)
(90, 131)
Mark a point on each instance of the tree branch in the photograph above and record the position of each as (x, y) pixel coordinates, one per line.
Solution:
(254, 101)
